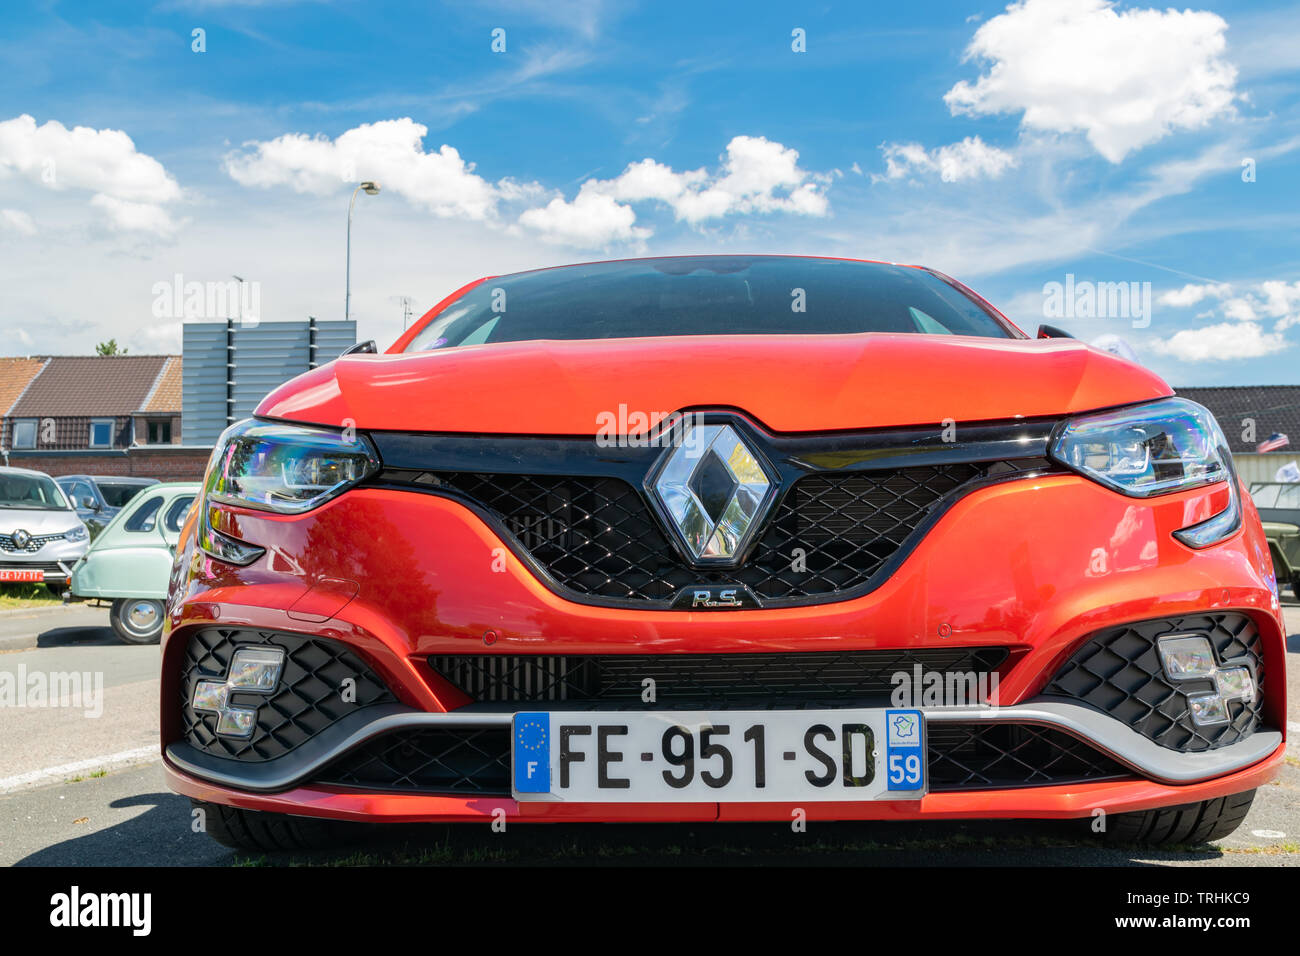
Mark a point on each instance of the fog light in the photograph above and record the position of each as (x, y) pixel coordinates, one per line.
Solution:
(256, 669)
(253, 670)
(1235, 683)
(1208, 709)
(1187, 657)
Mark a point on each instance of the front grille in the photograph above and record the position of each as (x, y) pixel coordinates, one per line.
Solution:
(51, 568)
(34, 545)
(1119, 672)
(476, 761)
(312, 694)
(981, 756)
(830, 533)
(454, 761)
(727, 680)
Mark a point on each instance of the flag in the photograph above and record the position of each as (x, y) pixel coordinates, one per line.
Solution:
(1288, 472)
(1272, 443)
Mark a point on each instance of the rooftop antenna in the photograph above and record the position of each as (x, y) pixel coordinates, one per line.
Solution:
(406, 301)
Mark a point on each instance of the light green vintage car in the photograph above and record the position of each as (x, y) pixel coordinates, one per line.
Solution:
(131, 559)
(1279, 509)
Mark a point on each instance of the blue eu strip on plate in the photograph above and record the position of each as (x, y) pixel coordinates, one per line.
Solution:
(532, 741)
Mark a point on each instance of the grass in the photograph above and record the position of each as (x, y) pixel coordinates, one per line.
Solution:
(14, 596)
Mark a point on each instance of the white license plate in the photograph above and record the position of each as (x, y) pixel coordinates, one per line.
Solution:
(23, 576)
(720, 756)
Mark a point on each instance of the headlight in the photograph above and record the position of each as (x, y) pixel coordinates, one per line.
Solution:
(1154, 449)
(286, 468)
(79, 533)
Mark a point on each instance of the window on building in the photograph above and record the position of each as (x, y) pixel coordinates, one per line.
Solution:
(24, 433)
(101, 433)
(159, 431)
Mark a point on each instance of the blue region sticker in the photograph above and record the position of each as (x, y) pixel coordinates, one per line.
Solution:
(904, 750)
(532, 748)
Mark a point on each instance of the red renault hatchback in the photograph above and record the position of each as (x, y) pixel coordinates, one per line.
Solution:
(723, 538)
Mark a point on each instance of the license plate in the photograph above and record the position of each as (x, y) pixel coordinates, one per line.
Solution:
(22, 575)
(722, 756)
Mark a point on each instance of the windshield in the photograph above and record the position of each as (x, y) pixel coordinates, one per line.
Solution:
(1277, 496)
(31, 491)
(706, 295)
(115, 495)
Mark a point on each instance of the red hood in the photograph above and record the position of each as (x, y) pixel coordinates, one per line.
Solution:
(788, 383)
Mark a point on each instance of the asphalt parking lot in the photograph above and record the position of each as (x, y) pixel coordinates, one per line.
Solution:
(90, 792)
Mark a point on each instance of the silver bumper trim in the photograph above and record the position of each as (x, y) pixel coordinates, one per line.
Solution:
(1105, 733)
(1120, 741)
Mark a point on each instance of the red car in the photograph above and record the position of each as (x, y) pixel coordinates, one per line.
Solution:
(759, 538)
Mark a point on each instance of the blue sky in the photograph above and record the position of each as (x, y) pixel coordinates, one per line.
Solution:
(1008, 146)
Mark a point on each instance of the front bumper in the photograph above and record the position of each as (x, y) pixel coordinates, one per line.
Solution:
(1035, 566)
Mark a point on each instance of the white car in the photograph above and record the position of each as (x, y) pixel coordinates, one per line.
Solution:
(41, 536)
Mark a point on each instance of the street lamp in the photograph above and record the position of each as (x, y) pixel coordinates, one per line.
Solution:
(370, 189)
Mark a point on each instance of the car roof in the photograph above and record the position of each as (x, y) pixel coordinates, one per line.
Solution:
(10, 470)
(120, 479)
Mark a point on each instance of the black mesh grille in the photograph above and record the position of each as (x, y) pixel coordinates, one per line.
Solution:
(830, 533)
(311, 693)
(470, 761)
(764, 680)
(982, 756)
(1118, 671)
(961, 757)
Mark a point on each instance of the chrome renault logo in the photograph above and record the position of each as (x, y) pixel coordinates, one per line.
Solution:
(20, 539)
(714, 492)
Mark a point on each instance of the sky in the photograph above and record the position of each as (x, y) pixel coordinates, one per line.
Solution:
(1112, 169)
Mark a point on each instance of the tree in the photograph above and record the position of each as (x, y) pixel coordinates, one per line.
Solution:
(109, 348)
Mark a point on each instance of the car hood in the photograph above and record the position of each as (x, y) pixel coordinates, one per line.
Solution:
(37, 521)
(788, 383)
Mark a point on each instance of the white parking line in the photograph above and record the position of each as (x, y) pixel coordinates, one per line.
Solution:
(124, 758)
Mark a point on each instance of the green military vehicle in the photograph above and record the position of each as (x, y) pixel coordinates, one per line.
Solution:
(1278, 503)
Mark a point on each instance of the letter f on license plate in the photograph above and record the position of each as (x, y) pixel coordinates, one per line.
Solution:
(532, 753)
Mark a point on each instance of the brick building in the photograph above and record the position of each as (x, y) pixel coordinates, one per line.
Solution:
(100, 415)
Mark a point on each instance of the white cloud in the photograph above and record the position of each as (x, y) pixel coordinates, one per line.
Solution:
(1123, 78)
(971, 158)
(15, 220)
(1223, 342)
(130, 186)
(1193, 293)
(390, 151)
(590, 221)
(134, 216)
(1271, 299)
(756, 176)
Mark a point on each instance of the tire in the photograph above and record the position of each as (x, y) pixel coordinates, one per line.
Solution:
(137, 620)
(1189, 823)
(1295, 585)
(272, 832)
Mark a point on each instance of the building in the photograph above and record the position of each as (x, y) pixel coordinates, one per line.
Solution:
(154, 416)
(1250, 414)
(100, 414)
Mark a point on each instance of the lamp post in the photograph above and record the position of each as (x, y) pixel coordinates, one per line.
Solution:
(370, 187)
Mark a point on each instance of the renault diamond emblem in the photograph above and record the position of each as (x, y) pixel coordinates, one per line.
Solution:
(714, 492)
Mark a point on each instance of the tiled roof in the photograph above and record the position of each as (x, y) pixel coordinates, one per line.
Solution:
(1274, 408)
(90, 385)
(15, 375)
(166, 394)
